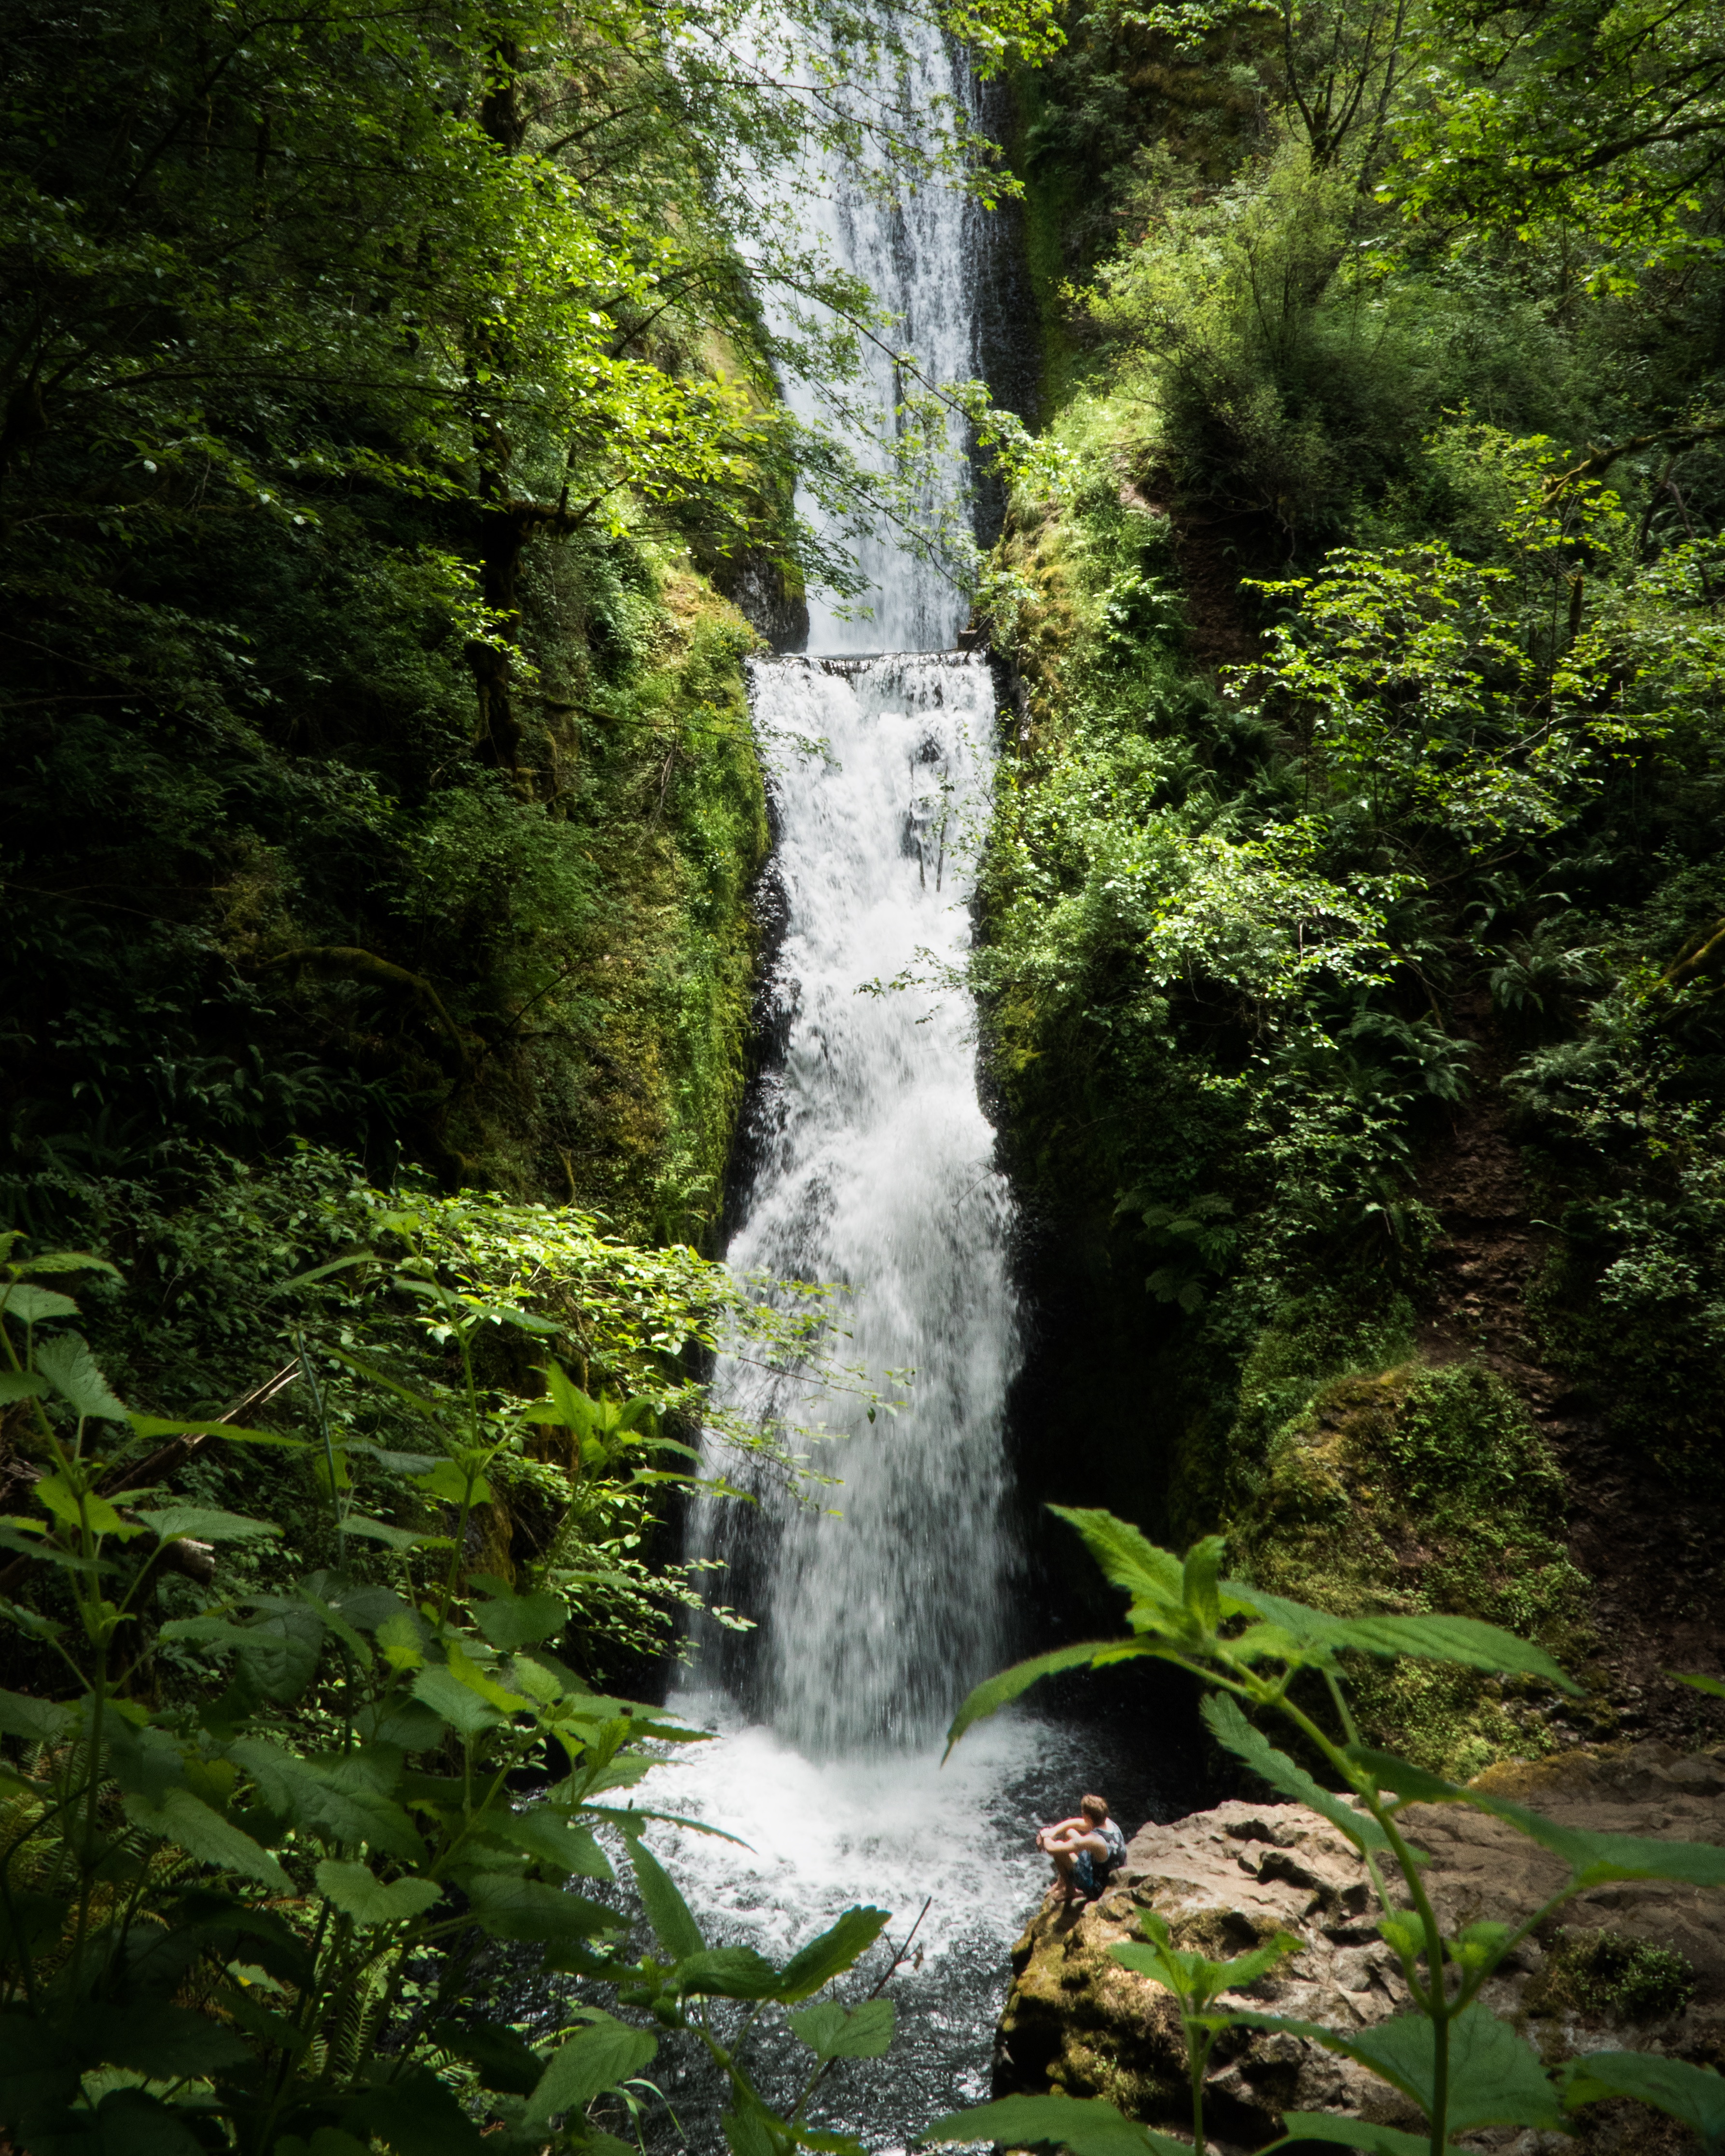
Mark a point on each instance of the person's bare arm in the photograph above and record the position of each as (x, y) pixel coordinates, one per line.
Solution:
(1085, 1837)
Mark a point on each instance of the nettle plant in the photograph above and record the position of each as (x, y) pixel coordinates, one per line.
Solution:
(1465, 2068)
(252, 1918)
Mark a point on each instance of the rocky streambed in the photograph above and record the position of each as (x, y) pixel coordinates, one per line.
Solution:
(1631, 1965)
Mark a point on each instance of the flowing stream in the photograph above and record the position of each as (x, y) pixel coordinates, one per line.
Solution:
(878, 1604)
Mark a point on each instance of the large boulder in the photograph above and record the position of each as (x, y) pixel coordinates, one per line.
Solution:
(1628, 1966)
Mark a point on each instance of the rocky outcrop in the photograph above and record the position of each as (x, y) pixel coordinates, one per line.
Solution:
(1611, 1972)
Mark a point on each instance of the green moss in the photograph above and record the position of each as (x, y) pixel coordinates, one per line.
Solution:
(1049, 188)
(631, 941)
(1409, 1490)
(1610, 1977)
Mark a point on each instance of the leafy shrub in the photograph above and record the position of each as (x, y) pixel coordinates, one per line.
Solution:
(1461, 2065)
(260, 1854)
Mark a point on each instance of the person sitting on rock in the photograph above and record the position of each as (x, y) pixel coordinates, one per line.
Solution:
(1085, 1849)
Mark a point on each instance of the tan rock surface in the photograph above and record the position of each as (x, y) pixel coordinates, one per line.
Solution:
(1226, 1879)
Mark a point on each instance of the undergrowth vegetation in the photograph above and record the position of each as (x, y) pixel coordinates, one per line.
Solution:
(1366, 778)
(273, 1839)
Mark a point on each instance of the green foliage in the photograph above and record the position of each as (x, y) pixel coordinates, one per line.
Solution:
(247, 1913)
(1631, 158)
(1439, 524)
(1446, 1463)
(384, 392)
(1461, 2065)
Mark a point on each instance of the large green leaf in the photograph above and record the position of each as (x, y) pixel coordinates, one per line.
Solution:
(672, 1919)
(452, 1483)
(1694, 2094)
(279, 1651)
(1351, 2133)
(38, 1720)
(71, 1368)
(1084, 2125)
(1231, 1728)
(1127, 1558)
(831, 2033)
(1465, 1640)
(68, 1261)
(1595, 1859)
(996, 1692)
(338, 1803)
(190, 1824)
(162, 1426)
(32, 1306)
(358, 1892)
(1496, 2078)
(392, 1538)
(467, 1713)
(513, 1908)
(549, 1837)
(728, 1973)
(832, 1953)
(594, 2059)
(76, 1508)
(204, 1524)
(564, 1403)
(521, 1619)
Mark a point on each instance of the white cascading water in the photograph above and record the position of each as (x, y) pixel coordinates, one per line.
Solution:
(921, 259)
(879, 1605)
(882, 1600)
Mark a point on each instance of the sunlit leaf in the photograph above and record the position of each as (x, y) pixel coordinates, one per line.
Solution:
(358, 1893)
(865, 2032)
(996, 1692)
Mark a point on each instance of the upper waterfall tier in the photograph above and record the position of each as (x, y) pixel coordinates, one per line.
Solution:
(920, 253)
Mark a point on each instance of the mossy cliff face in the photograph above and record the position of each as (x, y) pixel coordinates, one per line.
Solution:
(1412, 1490)
(536, 979)
(1632, 1966)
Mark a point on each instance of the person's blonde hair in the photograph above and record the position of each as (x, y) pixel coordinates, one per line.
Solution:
(1096, 1808)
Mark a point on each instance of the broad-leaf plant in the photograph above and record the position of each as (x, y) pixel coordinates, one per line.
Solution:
(1448, 2055)
(250, 1914)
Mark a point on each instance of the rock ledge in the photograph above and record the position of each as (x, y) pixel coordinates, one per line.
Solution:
(1226, 1879)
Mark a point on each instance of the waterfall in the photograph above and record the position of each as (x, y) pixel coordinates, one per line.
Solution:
(877, 1606)
(921, 252)
(879, 1599)
(882, 1601)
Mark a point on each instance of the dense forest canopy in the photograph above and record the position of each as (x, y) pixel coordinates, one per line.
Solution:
(376, 378)
(1359, 862)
